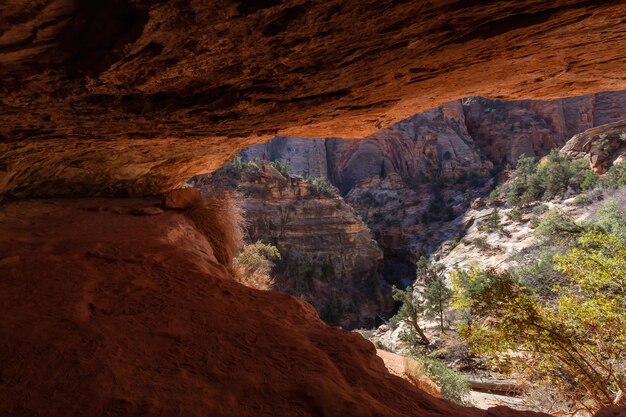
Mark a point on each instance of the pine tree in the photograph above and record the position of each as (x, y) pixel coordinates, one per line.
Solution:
(437, 297)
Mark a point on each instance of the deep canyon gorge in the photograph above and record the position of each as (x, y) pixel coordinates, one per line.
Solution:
(113, 304)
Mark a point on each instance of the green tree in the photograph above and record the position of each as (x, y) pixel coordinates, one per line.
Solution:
(437, 297)
(411, 311)
(426, 272)
(612, 220)
(492, 222)
(556, 228)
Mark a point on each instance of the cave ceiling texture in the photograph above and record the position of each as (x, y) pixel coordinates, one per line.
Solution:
(135, 96)
(113, 307)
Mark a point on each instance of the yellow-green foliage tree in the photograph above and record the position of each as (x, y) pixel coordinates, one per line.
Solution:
(576, 343)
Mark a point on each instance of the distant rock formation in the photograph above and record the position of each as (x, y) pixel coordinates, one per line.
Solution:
(463, 137)
(602, 146)
(410, 181)
(329, 256)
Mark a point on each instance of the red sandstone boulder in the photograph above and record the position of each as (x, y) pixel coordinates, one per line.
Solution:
(181, 198)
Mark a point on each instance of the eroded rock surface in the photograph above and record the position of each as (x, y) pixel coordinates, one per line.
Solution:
(138, 69)
(602, 146)
(410, 182)
(105, 313)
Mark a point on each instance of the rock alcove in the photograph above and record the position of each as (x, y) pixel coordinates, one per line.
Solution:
(106, 312)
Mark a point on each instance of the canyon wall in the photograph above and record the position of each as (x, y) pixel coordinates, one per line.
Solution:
(410, 182)
(109, 313)
(328, 255)
(464, 137)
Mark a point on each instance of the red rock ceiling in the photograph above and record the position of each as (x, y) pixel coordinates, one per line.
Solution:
(138, 69)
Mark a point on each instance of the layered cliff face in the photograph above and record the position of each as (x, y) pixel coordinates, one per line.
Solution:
(464, 137)
(602, 146)
(410, 181)
(328, 255)
(506, 130)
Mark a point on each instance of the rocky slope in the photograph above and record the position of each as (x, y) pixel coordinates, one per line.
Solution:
(411, 181)
(78, 73)
(328, 255)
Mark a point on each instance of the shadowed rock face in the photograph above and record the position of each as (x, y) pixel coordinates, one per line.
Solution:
(224, 69)
(134, 317)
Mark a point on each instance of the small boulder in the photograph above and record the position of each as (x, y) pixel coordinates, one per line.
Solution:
(181, 198)
(478, 203)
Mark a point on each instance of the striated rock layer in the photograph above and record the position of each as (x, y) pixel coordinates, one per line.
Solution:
(602, 146)
(108, 313)
(78, 72)
(328, 255)
(409, 181)
(463, 137)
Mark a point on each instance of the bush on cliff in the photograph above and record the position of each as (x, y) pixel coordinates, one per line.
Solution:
(454, 386)
(253, 264)
(320, 187)
(553, 176)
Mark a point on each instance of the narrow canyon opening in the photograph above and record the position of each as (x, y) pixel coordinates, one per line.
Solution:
(312, 208)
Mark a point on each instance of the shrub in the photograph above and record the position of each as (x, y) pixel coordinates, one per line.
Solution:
(494, 195)
(298, 274)
(237, 163)
(492, 222)
(554, 176)
(254, 163)
(480, 243)
(320, 187)
(515, 214)
(219, 217)
(615, 176)
(333, 309)
(539, 276)
(555, 228)
(612, 220)
(414, 371)
(282, 167)
(582, 200)
(253, 264)
(454, 386)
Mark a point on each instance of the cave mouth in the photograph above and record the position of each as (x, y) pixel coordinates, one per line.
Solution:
(437, 218)
(117, 285)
